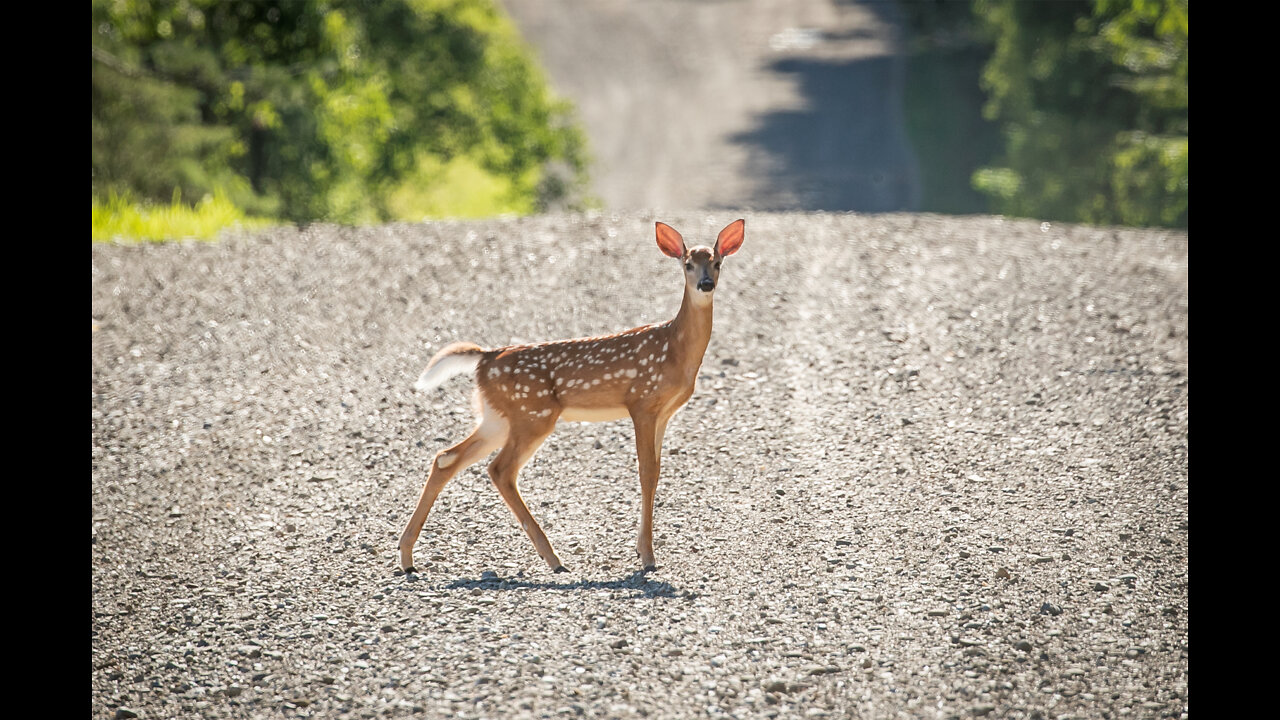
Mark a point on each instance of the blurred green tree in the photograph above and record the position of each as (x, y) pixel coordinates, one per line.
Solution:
(1092, 99)
(340, 110)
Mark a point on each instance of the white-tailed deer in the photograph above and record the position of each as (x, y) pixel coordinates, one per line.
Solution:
(646, 373)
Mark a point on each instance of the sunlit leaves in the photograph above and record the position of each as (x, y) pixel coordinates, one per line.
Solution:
(1092, 100)
(345, 111)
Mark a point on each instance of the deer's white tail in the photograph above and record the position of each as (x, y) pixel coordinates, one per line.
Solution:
(455, 359)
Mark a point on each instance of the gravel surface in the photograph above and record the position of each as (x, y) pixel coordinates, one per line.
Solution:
(934, 467)
(768, 104)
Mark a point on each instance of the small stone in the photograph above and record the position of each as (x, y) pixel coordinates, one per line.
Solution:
(124, 712)
(980, 710)
(1101, 586)
(1050, 609)
(867, 663)
(1023, 645)
(776, 686)
(618, 644)
(1002, 574)
(233, 691)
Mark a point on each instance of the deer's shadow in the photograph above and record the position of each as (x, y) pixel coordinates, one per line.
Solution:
(637, 581)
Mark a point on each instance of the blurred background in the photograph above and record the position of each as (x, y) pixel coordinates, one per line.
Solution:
(215, 113)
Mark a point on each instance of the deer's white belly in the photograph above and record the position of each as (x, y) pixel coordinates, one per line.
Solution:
(600, 414)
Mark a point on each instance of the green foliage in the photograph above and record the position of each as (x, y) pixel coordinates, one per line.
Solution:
(120, 217)
(1092, 99)
(339, 110)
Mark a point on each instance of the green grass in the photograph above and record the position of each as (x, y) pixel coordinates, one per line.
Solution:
(120, 217)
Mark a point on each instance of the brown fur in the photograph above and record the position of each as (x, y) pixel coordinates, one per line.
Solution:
(646, 373)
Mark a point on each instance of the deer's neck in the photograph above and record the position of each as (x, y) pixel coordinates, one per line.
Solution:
(691, 332)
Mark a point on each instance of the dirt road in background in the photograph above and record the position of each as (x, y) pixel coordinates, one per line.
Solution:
(761, 104)
(934, 468)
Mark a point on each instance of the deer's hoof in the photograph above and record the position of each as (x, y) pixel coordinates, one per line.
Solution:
(650, 567)
(561, 569)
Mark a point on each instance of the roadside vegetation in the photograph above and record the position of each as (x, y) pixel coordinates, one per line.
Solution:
(1073, 111)
(121, 217)
(305, 110)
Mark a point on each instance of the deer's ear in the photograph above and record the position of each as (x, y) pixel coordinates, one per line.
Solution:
(730, 238)
(669, 241)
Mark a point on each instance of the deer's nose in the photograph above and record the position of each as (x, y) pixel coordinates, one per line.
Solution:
(706, 285)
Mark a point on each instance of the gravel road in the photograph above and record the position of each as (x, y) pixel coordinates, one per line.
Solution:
(934, 468)
(769, 104)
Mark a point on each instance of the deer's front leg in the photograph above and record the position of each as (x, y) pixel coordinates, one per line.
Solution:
(649, 432)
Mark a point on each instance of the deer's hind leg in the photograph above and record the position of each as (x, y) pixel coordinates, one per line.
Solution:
(490, 434)
(522, 442)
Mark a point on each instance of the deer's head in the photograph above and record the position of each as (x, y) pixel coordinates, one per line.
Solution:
(701, 263)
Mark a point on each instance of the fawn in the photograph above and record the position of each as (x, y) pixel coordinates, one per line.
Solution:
(521, 391)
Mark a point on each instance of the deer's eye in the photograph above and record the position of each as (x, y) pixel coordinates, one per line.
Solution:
(717, 266)
(688, 266)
